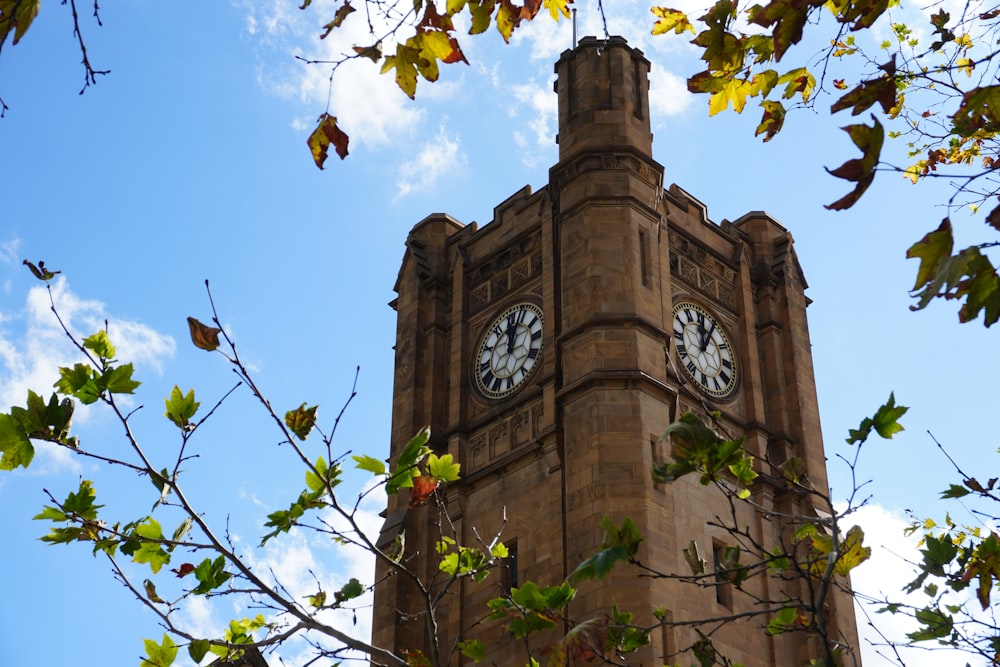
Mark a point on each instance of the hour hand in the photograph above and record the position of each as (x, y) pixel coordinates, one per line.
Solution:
(511, 330)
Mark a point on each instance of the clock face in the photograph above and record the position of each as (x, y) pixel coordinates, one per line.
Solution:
(508, 351)
(703, 350)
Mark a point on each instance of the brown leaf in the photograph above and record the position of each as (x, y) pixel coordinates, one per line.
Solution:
(338, 18)
(204, 337)
(373, 53)
(325, 134)
(993, 219)
(423, 487)
(184, 570)
(40, 271)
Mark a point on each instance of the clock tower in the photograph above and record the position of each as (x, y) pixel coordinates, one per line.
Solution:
(548, 351)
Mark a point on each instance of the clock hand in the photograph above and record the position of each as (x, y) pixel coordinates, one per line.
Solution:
(708, 335)
(511, 330)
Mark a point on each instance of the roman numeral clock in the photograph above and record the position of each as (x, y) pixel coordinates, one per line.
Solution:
(508, 351)
(704, 350)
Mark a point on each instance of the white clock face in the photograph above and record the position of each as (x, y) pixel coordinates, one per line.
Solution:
(509, 350)
(703, 350)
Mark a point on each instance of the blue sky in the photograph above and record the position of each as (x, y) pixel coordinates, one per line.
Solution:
(188, 162)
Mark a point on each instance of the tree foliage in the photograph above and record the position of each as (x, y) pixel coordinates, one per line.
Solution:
(171, 555)
(927, 82)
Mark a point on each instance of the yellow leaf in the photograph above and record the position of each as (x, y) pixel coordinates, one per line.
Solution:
(964, 41)
(17, 17)
(799, 80)
(913, 172)
(505, 22)
(965, 65)
(557, 7)
(404, 62)
(437, 43)
(670, 19)
(327, 133)
(733, 91)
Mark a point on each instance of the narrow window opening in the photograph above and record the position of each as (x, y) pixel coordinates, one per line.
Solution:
(723, 587)
(508, 569)
(644, 267)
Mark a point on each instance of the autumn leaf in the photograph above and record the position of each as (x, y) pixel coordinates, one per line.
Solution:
(39, 271)
(184, 570)
(978, 112)
(867, 93)
(557, 7)
(151, 591)
(373, 52)
(301, 420)
(338, 19)
(507, 19)
(859, 170)
(787, 17)
(799, 80)
(670, 19)
(772, 119)
(203, 336)
(405, 64)
(327, 133)
(16, 16)
(423, 487)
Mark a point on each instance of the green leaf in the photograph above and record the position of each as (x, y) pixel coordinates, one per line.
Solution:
(782, 620)
(442, 468)
(371, 464)
(599, 565)
(100, 345)
(301, 420)
(15, 447)
(198, 649)
(150, 548)
(955, 491)
(118, 380)
(315, 481)
(406, 463)
(210, 574)
(180, 407)
(473, 649)
(885, 422)
(935, 625)
(79, 382)
(352, 589)
(159, 655)
(283, 520)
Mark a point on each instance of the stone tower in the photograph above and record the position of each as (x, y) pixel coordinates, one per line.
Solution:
(547, 352)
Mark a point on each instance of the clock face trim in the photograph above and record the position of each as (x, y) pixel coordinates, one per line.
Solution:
(704, 350)
(508, 351)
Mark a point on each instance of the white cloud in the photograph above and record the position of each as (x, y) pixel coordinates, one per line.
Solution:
(884, 576)
(668, 93)
(33, 346)
(301, 562)
(536, 109)
(368, 106)
(439, 157)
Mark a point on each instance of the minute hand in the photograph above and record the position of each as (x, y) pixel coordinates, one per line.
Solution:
(708, 337)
